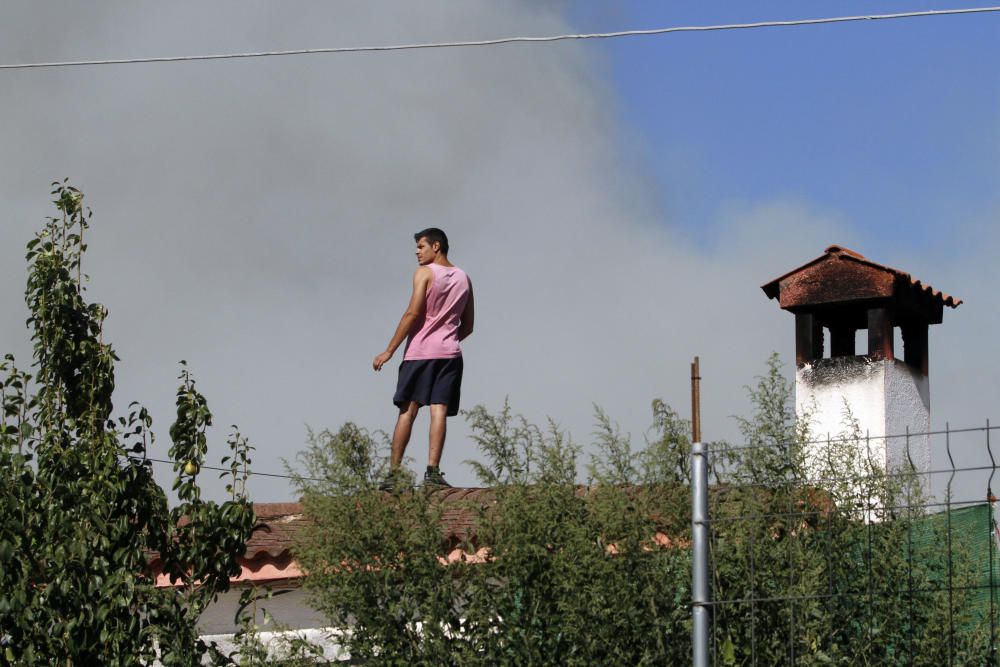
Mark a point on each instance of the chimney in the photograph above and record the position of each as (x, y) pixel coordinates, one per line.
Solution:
(886, 389)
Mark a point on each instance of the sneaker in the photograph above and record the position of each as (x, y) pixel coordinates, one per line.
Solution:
(434, 478)
(389, 482)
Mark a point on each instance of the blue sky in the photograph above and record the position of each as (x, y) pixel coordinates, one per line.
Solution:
(893, 125)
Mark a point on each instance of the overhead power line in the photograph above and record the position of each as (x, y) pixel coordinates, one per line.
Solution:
(250, 473)
(507, 40)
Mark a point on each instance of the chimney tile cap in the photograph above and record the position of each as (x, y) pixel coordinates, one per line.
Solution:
(838, 252)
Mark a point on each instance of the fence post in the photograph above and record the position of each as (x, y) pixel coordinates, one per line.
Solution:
(699, 554)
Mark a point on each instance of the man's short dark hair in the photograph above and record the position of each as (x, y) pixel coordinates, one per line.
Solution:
(433, 235)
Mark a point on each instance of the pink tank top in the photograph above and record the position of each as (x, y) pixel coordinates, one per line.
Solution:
(436, 335)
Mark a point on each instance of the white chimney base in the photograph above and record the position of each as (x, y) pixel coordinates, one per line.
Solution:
(884, 397)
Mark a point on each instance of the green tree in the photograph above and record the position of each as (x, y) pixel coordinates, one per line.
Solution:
(816, 561)
(579, 575)
(814, 555)
(372, 558)
(82, 512)
(572, 575)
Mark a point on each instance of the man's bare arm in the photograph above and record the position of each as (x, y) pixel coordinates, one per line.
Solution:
(421, 279)
(468, 316)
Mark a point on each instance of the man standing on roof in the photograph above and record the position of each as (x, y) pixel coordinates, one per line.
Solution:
(440, 315)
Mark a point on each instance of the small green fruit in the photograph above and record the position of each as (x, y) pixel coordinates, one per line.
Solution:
(190, 468)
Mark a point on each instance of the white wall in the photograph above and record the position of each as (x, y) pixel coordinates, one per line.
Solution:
(908, 396)
(292, 617)
(290, 609)
(277, 643)
(883, 397)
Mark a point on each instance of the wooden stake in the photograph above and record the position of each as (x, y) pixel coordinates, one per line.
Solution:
(695, 401)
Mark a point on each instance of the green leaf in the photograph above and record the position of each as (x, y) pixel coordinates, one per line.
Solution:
(727, 652)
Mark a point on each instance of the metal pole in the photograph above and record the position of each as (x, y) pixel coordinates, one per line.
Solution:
(699, 554)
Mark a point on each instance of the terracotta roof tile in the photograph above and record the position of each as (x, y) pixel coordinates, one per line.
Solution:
(269, 555)
(276, 509)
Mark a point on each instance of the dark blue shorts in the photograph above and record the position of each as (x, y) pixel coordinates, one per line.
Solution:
(429, 382)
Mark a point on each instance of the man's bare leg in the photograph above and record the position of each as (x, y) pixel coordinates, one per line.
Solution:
(439, 417)
(401, 434)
